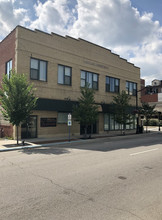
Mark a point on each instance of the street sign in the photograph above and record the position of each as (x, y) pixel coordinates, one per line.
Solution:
(69, 123)
(69, 116)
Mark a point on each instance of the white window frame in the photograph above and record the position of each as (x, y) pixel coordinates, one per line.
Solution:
(115, 88)
(41, 76)
(62, 76)
(89, 78)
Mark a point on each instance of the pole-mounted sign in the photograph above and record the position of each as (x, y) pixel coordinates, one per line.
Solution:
(69, 123)
(69, 116)
(69, 120)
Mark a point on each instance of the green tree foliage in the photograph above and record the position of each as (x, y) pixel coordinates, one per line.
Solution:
(121, 107)
(148, 111)
(86, 112)
(17, 99)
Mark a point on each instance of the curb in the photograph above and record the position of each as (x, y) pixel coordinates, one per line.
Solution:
(37, 146)
(67, 142)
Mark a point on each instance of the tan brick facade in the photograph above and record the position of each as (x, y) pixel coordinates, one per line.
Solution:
(77, 54)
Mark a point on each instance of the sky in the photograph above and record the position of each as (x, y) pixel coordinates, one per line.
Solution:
(129, 28)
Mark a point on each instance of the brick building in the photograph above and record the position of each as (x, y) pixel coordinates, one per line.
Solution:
(152, 94)
(58, 66)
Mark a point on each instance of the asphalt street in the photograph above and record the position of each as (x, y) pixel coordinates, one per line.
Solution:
(108, 179)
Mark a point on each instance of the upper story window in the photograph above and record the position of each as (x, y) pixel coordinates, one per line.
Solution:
(112, 84)
(8, 68)
(64, 75)
(131, 88)
(38, 69)
(89, 78)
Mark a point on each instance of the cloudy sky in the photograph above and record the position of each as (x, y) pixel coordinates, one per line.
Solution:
(130, 28)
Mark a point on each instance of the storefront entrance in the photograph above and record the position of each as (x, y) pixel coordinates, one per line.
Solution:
(29, 129)
(90, 128)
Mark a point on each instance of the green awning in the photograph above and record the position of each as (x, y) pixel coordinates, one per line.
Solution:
(55, 105)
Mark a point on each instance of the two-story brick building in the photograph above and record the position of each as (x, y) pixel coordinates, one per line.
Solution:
(58, 66)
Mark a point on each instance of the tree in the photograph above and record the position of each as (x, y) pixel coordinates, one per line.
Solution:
(86, 112)
(122, 106)
(148, 111)
(17, 99)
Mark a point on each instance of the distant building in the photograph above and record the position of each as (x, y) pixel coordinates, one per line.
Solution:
(156, 82)
(152, 94)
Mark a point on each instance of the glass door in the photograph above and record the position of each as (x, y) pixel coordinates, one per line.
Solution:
(29, 128)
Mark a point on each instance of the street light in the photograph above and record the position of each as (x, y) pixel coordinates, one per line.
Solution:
(137, 112)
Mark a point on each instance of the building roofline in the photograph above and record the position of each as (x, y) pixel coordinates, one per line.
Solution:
(37, 30)
(66, 37)
(80, 39)
(52, 33)
(109, 51)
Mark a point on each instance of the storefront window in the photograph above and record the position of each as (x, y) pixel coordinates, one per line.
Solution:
(110, 124)
(62, 117)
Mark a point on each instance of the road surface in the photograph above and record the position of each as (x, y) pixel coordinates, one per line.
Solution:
(108, 179)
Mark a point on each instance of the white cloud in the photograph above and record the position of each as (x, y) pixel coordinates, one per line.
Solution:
(112, 23)
(120, 27)
(53, 16)
(11, 17)
(149, 58)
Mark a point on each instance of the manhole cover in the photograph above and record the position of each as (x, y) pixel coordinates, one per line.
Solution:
(122, 177)
(150, 168)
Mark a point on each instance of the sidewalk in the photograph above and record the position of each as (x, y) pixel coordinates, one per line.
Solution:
(10, 145)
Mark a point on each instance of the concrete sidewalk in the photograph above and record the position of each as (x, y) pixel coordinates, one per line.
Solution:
(10, 145)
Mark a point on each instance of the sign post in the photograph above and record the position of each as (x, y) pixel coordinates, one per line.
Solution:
(69, 123)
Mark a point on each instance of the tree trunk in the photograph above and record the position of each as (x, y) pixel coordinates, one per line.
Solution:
(85, 131)
(91, 131)
(121, 129)
(17, 135)
(124, 129)
(146, 124)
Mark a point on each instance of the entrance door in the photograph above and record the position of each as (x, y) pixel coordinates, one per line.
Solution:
(29, 129)
(94, 130)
